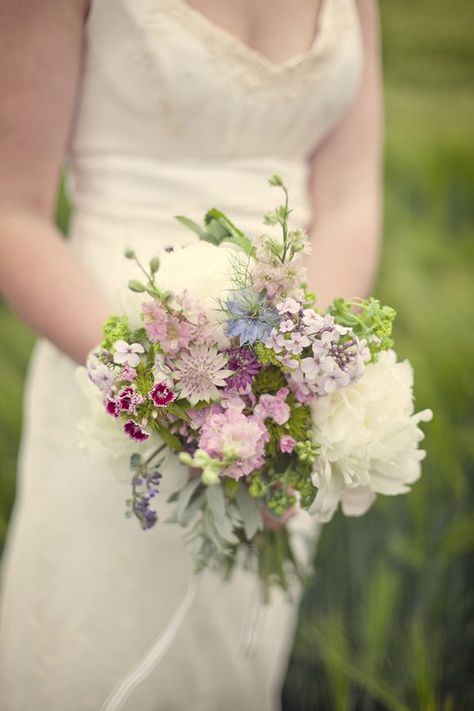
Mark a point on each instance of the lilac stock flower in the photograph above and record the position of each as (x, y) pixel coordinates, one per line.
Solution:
(251, 317)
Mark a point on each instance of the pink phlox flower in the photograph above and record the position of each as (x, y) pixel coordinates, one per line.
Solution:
(312, 321)
(287, 444)
(127, 353)
(286, 326)
(232, 435)
(289, 306)
(274, 406)
(135, 432)
(161, 395)
(296, 343)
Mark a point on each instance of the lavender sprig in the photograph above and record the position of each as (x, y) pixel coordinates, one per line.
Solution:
(145, 486)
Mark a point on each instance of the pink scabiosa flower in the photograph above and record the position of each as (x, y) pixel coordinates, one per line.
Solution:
(200, 372)
(127, 353)
(287, 444)
(274, 406)
(161, 395)
(135, 432)
(231, 436)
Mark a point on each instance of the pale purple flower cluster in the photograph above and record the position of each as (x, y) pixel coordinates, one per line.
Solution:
(319, 355)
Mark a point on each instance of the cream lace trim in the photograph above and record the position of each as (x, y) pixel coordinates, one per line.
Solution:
(237, 61)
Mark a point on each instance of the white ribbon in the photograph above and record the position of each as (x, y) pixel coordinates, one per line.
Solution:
(122, 690)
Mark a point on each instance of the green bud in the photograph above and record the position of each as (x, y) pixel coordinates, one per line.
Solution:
(185, 458)
(129, 253)
(154, 265)
(209, 476)
(135, 285)
(275, 180)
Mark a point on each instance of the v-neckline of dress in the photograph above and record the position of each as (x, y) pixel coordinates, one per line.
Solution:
(209, 27)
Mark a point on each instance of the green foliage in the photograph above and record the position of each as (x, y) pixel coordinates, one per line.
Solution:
(368, 319)
(115, 328)
(269, 380)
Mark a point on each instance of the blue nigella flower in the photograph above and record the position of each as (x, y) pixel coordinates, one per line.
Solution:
(250, 316)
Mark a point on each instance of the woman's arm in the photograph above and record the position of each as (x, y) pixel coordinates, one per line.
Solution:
(40, 57)
(346, 185)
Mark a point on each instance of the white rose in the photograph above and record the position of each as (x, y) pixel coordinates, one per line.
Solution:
(369, 438)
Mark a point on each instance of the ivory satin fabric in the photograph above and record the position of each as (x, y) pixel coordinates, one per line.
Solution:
(174, 116)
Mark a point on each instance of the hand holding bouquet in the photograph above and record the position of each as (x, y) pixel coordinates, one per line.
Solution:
(226, 360)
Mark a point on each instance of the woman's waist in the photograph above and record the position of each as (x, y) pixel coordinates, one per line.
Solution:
(118, 190)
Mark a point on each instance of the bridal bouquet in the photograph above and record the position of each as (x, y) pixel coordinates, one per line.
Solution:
(225, 359)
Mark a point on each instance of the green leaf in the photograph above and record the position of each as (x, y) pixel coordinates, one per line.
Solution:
(216, 502)
(179, 411)
(250, 512)
(170, 439)
(185, 496)
(190, 224)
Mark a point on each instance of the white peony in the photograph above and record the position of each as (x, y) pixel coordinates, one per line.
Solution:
(369, 438)
(203, 270)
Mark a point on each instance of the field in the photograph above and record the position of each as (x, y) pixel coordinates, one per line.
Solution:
(387, 622)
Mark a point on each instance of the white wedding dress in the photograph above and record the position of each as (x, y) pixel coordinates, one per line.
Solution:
(174, 116)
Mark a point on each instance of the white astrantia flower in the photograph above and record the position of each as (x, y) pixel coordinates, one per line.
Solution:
(369, 437)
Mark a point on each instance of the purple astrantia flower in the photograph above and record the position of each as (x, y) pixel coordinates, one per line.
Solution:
(135, 432)
(251, 316)
(127, 353)
(245, 365)
(161, 395)
(200, 372)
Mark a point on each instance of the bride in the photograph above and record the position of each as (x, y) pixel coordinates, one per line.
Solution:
(159, 107)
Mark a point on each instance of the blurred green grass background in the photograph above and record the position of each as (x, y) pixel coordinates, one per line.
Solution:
(387, 622)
